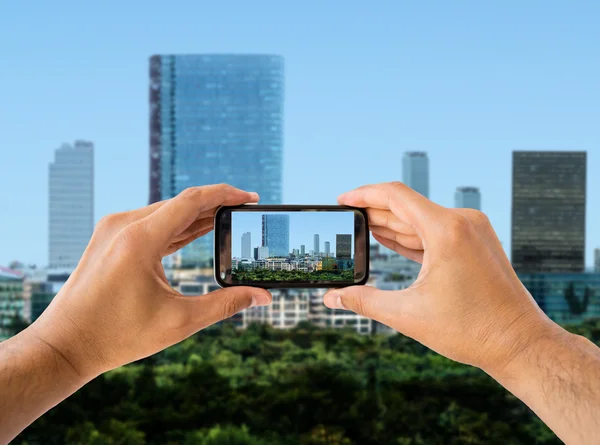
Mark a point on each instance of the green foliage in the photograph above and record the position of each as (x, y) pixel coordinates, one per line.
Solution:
(304, 386)
(292, 275)
(576, 306)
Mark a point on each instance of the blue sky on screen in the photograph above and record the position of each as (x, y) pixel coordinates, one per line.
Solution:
(303, 227)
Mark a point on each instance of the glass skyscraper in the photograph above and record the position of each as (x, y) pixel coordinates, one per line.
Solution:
(343, 246)
(215, 119)
(415, 171)
(548, 211)
(317, 245)
(467, 198)
(276, 235)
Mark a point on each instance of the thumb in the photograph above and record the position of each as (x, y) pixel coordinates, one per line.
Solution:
(205, 310)
(392, 308)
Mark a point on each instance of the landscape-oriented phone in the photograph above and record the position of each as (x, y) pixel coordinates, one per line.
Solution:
(291, 246)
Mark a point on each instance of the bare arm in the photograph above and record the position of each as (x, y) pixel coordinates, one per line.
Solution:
(34, 377)
(559, 378)
(117, 307)
(469, 305)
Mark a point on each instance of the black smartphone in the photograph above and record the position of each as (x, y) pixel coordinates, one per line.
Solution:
(289, 246)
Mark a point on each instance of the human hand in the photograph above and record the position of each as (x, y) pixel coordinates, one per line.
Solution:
(118, 307)
(467, 302)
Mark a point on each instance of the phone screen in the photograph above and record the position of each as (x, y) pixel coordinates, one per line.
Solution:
(290, 246)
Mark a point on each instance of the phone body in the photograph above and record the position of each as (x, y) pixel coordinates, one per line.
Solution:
(294, 246)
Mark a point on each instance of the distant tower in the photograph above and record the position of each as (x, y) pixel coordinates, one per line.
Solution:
(343, 246)
(276, 235)
(71, 204)
(415, 171)
(467, 198)
(548, 211)
(317, 245)
(302, 250)
(246, 245)
(327, 246)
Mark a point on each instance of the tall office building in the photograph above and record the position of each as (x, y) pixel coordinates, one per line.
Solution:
(467, 198)
(548, 211)
(317, 245)
(71, 204)
(597, 260)
(276, 234)
(214, 119)
(263, 253)
(415, 171)
(302, 249)
(343, 246)
(246, 245)
(327, 248)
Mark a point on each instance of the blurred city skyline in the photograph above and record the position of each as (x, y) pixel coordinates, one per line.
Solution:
(451, 81)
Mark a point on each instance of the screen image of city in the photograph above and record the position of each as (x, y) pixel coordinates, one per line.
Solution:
(301, 246)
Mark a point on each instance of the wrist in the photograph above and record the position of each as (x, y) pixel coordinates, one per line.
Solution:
(546, 338)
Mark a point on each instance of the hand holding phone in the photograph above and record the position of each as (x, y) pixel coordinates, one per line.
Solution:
(273, 246)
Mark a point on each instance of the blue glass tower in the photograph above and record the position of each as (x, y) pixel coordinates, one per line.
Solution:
(214, 119)
(276, 234)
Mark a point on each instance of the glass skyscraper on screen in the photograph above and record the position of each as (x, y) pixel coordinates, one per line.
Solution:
(548, 211)
(276, 235)
(215, 119)
(467, 198)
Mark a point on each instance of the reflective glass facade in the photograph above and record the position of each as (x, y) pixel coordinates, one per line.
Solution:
(214, 119)
(548, 211)
(565, 297)
(276, 235)
(415, 171)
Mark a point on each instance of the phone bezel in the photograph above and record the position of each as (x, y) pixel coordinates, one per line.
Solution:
(361, 238)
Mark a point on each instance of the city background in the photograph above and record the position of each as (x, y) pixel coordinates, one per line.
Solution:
(110, 107)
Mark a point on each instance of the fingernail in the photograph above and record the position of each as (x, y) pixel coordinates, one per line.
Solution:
(255, 196)
(334, 301)
(260, 300)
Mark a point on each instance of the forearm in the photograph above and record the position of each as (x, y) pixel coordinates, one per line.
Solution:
(558, 377)
(34, 377)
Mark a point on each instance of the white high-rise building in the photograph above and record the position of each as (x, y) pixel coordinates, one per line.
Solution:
(467, 198)
(263, 252)
(327, 248)
(415, 171)
(71, 204)
(246, 245)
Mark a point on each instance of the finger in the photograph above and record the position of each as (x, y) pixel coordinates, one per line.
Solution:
(195, 313)
(392, 308)
(385, 218)
(179, 213)
(200, 225)
(174, 247)
(409, 241)
(414, 255)
(408, 205)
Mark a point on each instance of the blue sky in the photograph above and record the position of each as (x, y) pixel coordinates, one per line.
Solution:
(466, 81)
(303, 227)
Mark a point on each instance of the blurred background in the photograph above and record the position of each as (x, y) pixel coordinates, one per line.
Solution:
(110, 106)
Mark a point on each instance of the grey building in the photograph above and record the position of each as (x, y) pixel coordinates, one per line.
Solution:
(415, 171)
(246, 245)
(71, 204)
(213, 119)
(317, 245)
(327, 248)
(548, 211)
(597, 260)
(467, 198)
(302, 249)
(343, 246)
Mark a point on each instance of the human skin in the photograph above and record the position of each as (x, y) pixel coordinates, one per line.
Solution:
(469, 305)
(117, 306)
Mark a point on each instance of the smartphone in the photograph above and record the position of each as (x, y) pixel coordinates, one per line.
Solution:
(286, 246)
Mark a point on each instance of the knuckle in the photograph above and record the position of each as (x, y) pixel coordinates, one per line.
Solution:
(458, 229)
(478, 218)
(231, 306)
(107, 221)
(190, 192)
